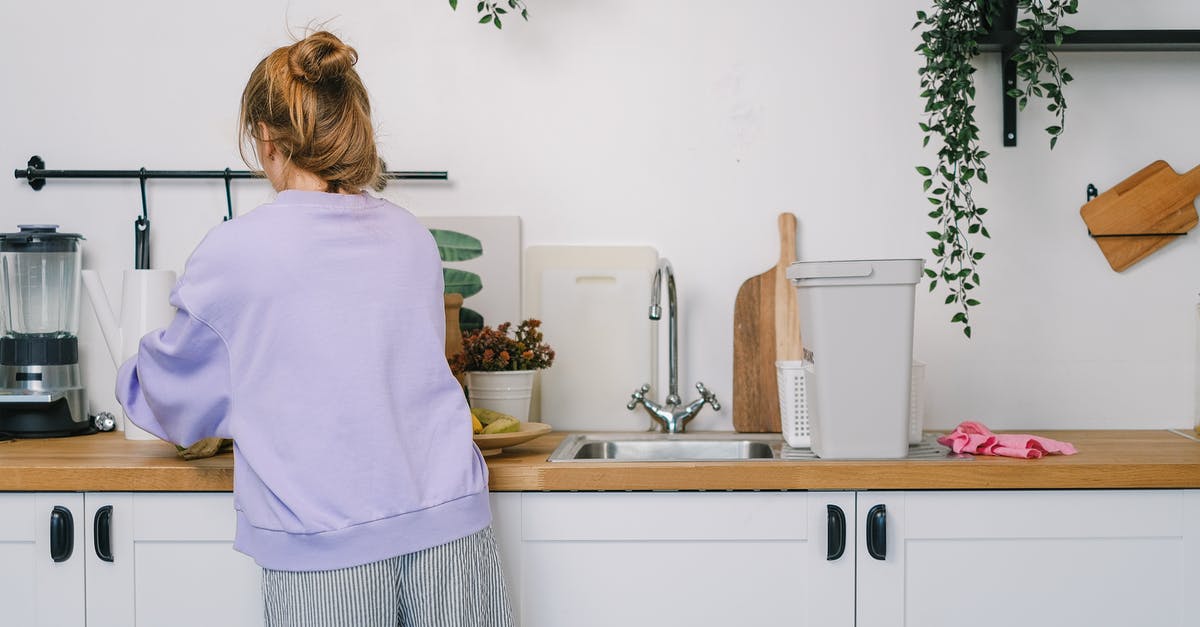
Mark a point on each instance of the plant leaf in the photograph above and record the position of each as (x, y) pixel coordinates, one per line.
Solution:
(469, 320)
(461, 282)
(455, 246)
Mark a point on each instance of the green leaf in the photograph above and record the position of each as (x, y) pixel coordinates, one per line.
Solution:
(930, 273)
(971, 302)
(497, 21)
(924, 171)
(455, 246)
(967, 330)
(959, 317)
(461, 282)
(485, 19)
(469, 320)
(453, 5)
(935, 235)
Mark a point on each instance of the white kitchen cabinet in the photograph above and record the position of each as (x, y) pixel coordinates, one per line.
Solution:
(683, 558)
(1055, 557)
(172, 562)
(36, 590)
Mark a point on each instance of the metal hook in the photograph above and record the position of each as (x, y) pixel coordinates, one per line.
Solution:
(228, 196)
(1092, 192)
(141, 230)
(142, 180)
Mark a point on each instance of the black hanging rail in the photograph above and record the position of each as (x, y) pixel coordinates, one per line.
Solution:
(36, 173)
(1003, 38)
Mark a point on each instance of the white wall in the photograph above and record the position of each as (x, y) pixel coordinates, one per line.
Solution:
(683, 125)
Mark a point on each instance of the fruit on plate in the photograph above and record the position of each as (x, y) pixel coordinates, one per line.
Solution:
(503, 424)
(476, 426)
(486, 416)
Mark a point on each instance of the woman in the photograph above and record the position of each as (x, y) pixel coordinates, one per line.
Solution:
(311, 331)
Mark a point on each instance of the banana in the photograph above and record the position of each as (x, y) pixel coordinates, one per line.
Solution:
(487, 416)
(503, 424)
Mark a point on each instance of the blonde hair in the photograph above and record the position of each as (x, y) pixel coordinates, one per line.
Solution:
(316, 112)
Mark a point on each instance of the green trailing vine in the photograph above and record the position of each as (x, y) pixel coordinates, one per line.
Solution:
(493, 11)
(950, 35)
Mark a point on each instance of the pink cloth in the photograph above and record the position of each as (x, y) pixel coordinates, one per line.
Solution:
(974, 438)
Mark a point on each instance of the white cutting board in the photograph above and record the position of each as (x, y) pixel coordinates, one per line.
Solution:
(594, 304)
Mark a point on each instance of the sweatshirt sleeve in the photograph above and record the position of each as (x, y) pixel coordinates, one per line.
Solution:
(178, 385)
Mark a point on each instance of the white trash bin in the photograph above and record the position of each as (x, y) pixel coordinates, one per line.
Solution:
(856, 320)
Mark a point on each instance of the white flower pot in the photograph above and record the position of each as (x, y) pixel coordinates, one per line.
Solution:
(508, 392)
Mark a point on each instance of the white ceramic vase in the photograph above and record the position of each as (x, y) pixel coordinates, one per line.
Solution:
(508, 392)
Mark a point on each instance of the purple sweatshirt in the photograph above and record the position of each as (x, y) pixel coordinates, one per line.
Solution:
(312, 332)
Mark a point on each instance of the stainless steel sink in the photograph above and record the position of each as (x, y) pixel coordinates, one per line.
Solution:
(664, 447)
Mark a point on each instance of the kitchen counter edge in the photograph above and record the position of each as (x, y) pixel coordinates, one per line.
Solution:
(1114, 459)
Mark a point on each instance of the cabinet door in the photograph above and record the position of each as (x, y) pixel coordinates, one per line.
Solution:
(35, 589)
(697, 559)
(1094, 558)
(173, 564)
(506, 523)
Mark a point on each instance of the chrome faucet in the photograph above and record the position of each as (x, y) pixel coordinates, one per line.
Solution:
(667, 416)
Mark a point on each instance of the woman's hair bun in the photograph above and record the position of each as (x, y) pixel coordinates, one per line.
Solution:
(320, 56)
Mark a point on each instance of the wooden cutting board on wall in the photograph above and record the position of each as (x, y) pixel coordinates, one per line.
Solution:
(1154, 200)
(766, 328)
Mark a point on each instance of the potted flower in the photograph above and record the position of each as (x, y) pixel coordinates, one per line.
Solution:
(499, 367)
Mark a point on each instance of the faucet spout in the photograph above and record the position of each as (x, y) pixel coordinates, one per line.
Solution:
(665, 269)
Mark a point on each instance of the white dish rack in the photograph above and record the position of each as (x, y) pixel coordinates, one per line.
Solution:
(793, 377)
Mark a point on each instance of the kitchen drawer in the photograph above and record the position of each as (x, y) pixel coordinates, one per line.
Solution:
(665, 516)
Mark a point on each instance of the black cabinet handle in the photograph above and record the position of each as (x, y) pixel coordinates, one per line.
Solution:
(62, 534)
(837, 532)
(877, 532)
(102, 533)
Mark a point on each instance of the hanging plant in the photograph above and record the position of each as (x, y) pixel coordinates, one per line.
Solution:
(950, 37)
(491, 11)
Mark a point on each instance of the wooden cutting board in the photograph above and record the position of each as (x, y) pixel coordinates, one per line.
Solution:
(1155, 200)
(766, 328)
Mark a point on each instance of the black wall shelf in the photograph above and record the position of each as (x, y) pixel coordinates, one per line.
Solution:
(36, 174)
(1004, 39)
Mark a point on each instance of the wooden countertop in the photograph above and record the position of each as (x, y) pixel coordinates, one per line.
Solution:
(1106, 459)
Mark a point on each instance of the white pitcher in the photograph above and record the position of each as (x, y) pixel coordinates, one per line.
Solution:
(145, 306)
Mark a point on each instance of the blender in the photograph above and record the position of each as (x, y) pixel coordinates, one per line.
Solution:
(41, 394)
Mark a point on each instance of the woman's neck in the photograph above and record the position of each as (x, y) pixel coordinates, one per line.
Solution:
(302, 181)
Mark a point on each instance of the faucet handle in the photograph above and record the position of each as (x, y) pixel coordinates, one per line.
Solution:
(708, 397)
(638, 396)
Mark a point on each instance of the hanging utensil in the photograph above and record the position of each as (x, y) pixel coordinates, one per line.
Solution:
(141, 232)
(228, 196)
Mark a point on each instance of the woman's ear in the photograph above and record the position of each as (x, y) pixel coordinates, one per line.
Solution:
(266, 148)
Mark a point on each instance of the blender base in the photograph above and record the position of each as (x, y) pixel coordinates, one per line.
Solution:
(41, 420)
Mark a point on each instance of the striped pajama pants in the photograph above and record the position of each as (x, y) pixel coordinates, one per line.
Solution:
(457, 584)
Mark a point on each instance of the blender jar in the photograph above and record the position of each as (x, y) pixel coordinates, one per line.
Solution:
(39, 282)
